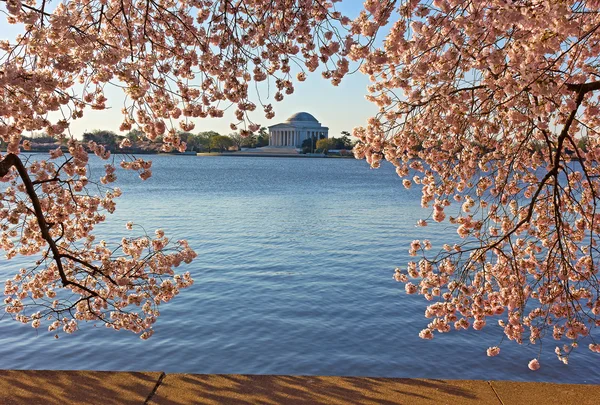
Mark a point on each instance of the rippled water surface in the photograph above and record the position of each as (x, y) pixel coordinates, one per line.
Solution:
(293, 276)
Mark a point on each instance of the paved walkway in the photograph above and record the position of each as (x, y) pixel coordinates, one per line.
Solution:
(129, 388)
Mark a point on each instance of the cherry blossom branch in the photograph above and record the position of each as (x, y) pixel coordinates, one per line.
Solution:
(11, 160)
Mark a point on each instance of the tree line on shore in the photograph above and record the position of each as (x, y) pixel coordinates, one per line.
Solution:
(206, 141)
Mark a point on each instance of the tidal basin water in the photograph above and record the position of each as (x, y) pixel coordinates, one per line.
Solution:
(293, 276)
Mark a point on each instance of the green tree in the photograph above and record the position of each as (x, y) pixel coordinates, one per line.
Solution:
(41, 138)
(237, 139)
(103, 137)
(344, 142)
(323, 145)
(220, 142)
(193, 143)
(309, 145)
(184, 136)
(250, 141)
(188, 138)
(204, 140)
(135, 135)
(263, 137)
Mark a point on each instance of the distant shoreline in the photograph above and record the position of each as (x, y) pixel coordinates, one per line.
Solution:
(65, 151)
(283, 155)
(207, 154)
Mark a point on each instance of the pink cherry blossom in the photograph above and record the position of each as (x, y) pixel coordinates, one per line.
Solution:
(176, 62)
(493, 351)
(534, 365)
(491, 108)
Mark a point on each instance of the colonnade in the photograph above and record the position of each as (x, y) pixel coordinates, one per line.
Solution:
(292, 137)
(283, 137)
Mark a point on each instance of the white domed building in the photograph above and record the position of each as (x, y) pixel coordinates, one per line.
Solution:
(296, 129)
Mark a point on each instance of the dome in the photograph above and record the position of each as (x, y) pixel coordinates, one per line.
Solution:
(302, 116)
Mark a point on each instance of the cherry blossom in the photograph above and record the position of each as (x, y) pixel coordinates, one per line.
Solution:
(176, 62)
(492, 109)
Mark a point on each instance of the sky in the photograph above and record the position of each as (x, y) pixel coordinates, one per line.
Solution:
(340, 108)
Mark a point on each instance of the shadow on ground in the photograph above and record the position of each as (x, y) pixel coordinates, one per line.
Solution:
(75, 387)
(179, 389)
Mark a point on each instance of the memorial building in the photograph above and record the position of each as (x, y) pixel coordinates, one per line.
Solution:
(297, 128)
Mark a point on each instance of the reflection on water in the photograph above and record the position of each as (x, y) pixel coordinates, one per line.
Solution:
(294, 276)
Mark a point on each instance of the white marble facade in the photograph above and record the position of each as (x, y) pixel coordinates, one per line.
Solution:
(297, 128)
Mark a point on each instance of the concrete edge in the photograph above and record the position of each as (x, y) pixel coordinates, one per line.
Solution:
(70, 387)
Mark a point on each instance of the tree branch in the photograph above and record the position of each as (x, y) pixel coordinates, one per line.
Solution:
(12, 160)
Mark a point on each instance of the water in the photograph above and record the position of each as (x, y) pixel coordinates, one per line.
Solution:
(294, 276)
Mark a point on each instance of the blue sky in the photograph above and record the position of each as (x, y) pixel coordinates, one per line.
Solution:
(340, 108)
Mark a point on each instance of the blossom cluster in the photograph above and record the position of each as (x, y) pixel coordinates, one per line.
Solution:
(492, 109)
(50, 213)
(176, 61)
(122, 291)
